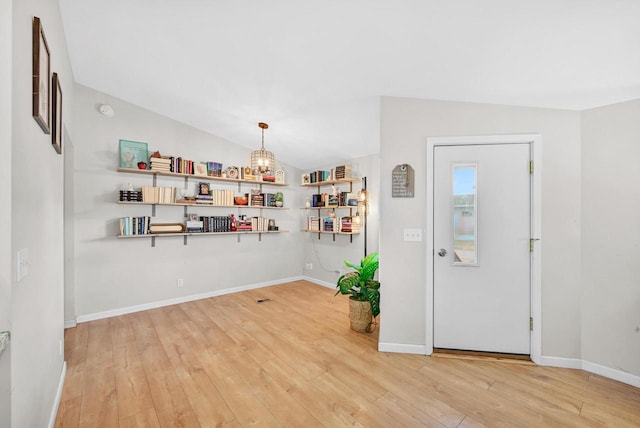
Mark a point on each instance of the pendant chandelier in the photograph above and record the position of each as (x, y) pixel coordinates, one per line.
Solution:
(262, 161)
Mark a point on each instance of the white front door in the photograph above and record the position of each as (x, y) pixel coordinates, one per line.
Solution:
(481, 239)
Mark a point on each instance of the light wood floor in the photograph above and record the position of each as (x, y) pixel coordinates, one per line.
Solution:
(293, 361)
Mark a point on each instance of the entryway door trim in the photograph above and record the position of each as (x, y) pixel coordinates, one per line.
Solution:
(535, 144)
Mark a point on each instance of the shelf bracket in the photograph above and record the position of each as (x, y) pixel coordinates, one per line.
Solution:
(334, 237)
(260, 234)
(153, 210)
(153, 241)
(185, 240)
(238, 239)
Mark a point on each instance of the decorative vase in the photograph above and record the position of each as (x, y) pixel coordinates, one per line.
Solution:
(359, 314)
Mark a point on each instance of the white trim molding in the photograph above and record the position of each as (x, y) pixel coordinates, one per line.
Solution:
(402, 348)
(535, 144)
(56, 402)
(183, 299)
(320, 282)
(588, 366)
(70, 324)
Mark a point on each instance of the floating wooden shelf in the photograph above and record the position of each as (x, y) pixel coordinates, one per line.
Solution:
(199, 177)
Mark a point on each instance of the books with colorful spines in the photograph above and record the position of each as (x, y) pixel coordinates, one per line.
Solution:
(327, 224)
(257, 200)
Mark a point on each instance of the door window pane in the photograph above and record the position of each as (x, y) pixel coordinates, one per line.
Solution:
(465, 222)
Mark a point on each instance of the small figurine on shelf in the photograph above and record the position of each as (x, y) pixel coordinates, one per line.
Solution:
(279, 199)
(307, 202)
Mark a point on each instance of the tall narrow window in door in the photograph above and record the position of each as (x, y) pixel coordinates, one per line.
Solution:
(465, 219)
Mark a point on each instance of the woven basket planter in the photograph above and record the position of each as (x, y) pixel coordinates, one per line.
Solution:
(360, 315)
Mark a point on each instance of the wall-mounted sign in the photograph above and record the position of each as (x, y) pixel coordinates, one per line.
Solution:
(402, 180)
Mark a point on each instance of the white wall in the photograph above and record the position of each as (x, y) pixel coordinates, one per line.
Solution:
(611, 236)
(326, 255)
(37, 224)
(5, 207)
(113, 273)
(405, 126)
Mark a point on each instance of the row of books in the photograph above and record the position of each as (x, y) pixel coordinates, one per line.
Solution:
(341, 199)
(332, 224)
(217, 197)
(338, 173)
(216, 223)
(158, 195)
(135, 225)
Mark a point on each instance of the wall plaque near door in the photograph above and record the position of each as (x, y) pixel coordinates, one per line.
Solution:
(402, 181)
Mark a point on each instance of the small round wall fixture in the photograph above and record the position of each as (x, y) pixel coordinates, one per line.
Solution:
(106, 109)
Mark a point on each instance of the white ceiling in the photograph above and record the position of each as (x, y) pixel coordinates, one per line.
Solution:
(315, 71)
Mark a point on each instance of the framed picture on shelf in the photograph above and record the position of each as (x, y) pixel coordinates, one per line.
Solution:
(305, 179)
(41, 77)
(56, 114)
(132, 152)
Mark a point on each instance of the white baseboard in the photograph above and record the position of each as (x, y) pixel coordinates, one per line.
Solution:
(69, 324)
(566, 363)
(183, 299)
(402, 348)
(608, 372)
(320, 282)
(56, 402)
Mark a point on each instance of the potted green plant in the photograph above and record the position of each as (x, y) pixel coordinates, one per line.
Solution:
(363, 291)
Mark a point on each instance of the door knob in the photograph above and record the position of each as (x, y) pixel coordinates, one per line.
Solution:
(442, 252)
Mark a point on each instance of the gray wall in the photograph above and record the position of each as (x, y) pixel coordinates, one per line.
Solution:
(405, 126)
(115, 273)
(5, 207)
(611, 236)
(36, 224)
(326, 255)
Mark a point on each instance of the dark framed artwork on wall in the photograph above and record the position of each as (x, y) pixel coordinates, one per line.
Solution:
(41, 77)
(56, 114)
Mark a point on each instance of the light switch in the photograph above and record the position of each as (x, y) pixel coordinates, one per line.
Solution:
(413, 234)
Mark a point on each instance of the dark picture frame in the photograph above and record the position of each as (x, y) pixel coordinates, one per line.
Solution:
(41, 102)
(56, 114)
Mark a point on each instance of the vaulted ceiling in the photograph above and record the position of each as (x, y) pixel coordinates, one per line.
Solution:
(315, 71)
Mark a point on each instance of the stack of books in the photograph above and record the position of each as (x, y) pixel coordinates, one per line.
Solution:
(131, 195)
(257, 200)
(313, 224)
(342, 171)
(204, 199)
(161, 164)
(328, 224)
(244, 225)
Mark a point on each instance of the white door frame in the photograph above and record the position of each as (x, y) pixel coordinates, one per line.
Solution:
(535, 144)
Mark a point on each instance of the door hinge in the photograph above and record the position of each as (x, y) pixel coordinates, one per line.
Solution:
(530, 167)
(530, 323)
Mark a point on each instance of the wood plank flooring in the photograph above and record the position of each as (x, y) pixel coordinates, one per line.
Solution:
(293, 361)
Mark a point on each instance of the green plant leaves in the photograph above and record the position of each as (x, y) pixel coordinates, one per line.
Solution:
(360, 283)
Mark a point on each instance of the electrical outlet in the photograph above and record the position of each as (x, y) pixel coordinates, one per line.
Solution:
(180, 282)
(308, 266)
(413, 234)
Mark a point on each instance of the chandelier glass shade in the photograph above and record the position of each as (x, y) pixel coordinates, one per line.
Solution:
(262, 161)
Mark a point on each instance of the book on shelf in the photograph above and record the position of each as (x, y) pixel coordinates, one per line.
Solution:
(134, 225)
(158, 195)
(342, 171)
(166, 228)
